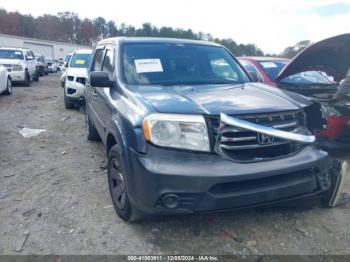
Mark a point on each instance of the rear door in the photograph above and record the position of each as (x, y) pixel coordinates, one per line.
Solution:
(91, 91)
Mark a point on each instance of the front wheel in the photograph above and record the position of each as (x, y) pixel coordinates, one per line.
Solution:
(67, 103)
(117, 187)
(332, 196)
(8, 90)
(26, 79)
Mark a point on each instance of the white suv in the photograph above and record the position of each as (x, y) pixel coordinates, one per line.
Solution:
(20, 64)
(76, 75)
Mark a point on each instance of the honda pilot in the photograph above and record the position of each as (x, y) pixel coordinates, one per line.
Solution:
(186, 131)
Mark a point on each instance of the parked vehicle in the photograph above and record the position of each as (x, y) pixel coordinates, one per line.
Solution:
(51, 65)
(63, 69)
(42, 65)
(76, 75)
(5, 82)
(308, 74)
(186, 131)
(20, 63)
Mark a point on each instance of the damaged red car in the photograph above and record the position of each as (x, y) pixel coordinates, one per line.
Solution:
(316, 73)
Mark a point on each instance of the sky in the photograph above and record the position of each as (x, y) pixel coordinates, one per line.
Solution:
(270, 24)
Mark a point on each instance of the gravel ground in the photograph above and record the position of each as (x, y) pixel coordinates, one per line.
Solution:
(54, 198)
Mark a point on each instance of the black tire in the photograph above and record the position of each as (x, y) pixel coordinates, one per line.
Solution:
(36, 76)
(8, 90)
(335, 168)
(67, 103)
(90, 130)
(62, 84)
(117, 187)
(27, 79)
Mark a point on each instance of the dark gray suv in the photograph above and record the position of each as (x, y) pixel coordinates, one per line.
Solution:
(186, 131)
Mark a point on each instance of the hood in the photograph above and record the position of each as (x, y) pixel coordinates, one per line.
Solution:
(331, 55)
(79, 72)
(10, 61)
(229, 99)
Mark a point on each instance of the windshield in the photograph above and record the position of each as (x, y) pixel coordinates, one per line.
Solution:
(39, 58)
(273, 68)
(80, 60)
(11, 54)
(306, 78)
(67, 58)
(178, 64)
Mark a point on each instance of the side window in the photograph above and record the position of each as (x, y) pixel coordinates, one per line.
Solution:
(251, 69)
(98, 60)
(108, 63)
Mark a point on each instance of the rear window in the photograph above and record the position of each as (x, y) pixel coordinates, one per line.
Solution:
(80, 60)
(11, 54)
(179, 64)
(272, 68)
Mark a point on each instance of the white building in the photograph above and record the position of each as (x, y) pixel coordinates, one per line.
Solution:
(50, 49)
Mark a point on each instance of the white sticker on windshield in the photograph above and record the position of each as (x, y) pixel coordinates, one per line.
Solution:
(18, 52)
(268, 64)
(148, 65)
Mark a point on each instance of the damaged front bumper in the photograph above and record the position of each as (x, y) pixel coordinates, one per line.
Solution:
(165, 181)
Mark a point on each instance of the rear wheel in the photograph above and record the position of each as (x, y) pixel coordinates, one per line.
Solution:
(91, 132)
(8, 90)
(36, 76)
(117, 187)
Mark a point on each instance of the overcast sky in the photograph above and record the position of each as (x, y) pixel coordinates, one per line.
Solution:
(271, 24)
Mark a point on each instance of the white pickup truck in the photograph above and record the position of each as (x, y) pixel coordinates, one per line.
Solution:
(20, 64)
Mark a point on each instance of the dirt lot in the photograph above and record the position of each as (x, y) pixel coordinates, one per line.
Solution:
(54, 198)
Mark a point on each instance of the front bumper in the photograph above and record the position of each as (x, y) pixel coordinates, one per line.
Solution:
(206, 183)
(74, 90)
(17, 76)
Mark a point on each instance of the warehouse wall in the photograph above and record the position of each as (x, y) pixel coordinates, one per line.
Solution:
(50, 49)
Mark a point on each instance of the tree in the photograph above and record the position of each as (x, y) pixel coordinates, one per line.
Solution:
(87, 33)
(102, 27)
(291, 51)
(68, 27)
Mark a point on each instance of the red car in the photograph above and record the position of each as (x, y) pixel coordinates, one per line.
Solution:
(315, 73)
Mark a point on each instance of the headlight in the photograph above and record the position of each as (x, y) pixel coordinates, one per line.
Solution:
(17, 68)
(177, 131)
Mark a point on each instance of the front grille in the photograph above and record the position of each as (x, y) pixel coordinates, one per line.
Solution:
(81, 80)
(244, 145)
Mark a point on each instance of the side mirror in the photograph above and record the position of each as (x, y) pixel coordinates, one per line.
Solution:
(29, 58)
(66, 64)
(100, 79)
(254, 76)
